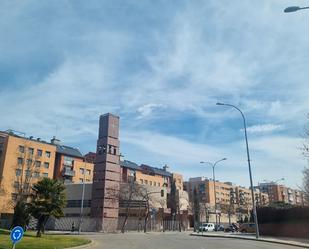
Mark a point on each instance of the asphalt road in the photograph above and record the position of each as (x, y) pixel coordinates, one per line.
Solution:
(174, 241)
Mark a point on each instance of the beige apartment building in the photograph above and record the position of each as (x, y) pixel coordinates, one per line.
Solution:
(281, 193)
(23, 161)
(26, 160)
(232, 200)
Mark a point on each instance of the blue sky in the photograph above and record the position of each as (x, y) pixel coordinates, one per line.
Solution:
(161, 66)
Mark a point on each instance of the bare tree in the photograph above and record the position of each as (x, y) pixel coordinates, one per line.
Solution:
(130, 192)
(305, 147)
(306, 185)
(27, 167)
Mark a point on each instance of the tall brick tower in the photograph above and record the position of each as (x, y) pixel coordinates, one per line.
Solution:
(106, 178)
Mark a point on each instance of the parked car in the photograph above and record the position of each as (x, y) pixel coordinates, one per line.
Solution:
(219, 227)
(207, 227)
(232, 228)
(247, 228)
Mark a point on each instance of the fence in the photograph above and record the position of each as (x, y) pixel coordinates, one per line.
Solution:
(135, 224)
(89, 224)
(69, 224)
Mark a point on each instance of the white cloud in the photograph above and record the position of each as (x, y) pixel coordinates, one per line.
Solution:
(148, 109)
(272, 157)
(264, 128)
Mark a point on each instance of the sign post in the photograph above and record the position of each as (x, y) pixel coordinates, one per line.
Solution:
(16, 235)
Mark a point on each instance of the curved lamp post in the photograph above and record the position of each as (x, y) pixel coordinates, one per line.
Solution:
(213, 165)
(249, 166)
(294, 9)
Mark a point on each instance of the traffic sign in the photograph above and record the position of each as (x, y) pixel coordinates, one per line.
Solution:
(16, 234)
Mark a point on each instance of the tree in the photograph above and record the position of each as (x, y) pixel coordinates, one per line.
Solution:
(305, 150)
(196, 209)
(26, 168)
(173, 203)
(48, 200)
(127, 195)
(306, 185)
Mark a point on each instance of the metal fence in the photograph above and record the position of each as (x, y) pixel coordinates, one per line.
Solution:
(89, 224)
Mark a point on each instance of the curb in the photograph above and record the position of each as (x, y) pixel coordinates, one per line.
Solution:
(83, 246)
(275, 241)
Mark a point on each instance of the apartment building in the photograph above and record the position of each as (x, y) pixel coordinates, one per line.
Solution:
(145, 174)
(281, 193)
(23, 161)
(70, 164)
(226, 193)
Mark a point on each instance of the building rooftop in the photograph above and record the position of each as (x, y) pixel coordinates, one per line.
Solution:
(145, 168)
(63, 149)
(69, 151)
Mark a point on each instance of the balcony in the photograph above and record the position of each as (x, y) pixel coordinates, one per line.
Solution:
(68, 172)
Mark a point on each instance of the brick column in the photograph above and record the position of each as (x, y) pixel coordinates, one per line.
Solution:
(106, 178)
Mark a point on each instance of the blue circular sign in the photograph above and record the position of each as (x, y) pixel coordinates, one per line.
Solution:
(16, 234)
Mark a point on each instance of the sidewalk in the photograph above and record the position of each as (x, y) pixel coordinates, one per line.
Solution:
(285, 241)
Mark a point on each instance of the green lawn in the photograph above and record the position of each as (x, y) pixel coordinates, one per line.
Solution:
(30, 241)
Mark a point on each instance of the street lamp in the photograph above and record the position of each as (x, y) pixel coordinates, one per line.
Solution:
(214, 179)
(249, 165)
(294, 9)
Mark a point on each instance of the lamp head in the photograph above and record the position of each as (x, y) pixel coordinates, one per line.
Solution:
(291, 9)
(218, 103)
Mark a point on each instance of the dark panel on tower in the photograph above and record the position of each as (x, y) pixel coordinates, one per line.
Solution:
(106, 178)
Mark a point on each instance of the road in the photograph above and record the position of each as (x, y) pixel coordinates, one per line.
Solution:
(175, 241)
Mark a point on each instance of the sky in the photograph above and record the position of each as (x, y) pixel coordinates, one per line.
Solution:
(162, 66)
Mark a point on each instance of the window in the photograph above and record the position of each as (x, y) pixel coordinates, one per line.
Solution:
(101, 149)
(47, 154)
(21, 149)
(16, 184)
(154, 184)
(158, 184)
(110, 149)
(14, 197)
(26, 186)
(18, 172)
(30, 151)
(45, 174)
(88, 171)
(82, 171)
(146, 181)
(81, 180)
(46, 165)
(29, 162)
(27, 173)
(142, 181)
(150, 183)
(39, 152)
(38, 164)
(68, 161)
(115, 151)
(36, 174)
(20, 161)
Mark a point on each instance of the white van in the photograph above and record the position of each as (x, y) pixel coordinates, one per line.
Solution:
(207, 227)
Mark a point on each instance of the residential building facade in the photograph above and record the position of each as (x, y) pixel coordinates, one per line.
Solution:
(281, 193)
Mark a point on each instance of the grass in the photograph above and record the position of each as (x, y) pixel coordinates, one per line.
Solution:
(47, 241)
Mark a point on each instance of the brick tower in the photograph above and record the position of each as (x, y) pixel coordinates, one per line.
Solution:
(106, 178)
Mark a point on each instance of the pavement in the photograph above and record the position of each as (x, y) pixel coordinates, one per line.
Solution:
(176, 240)
(299, 242)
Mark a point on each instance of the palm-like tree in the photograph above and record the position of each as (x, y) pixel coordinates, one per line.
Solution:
(48, 200)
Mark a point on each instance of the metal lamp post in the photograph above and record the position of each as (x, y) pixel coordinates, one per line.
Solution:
(249, 165)
(82, 201)
(213, 165)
